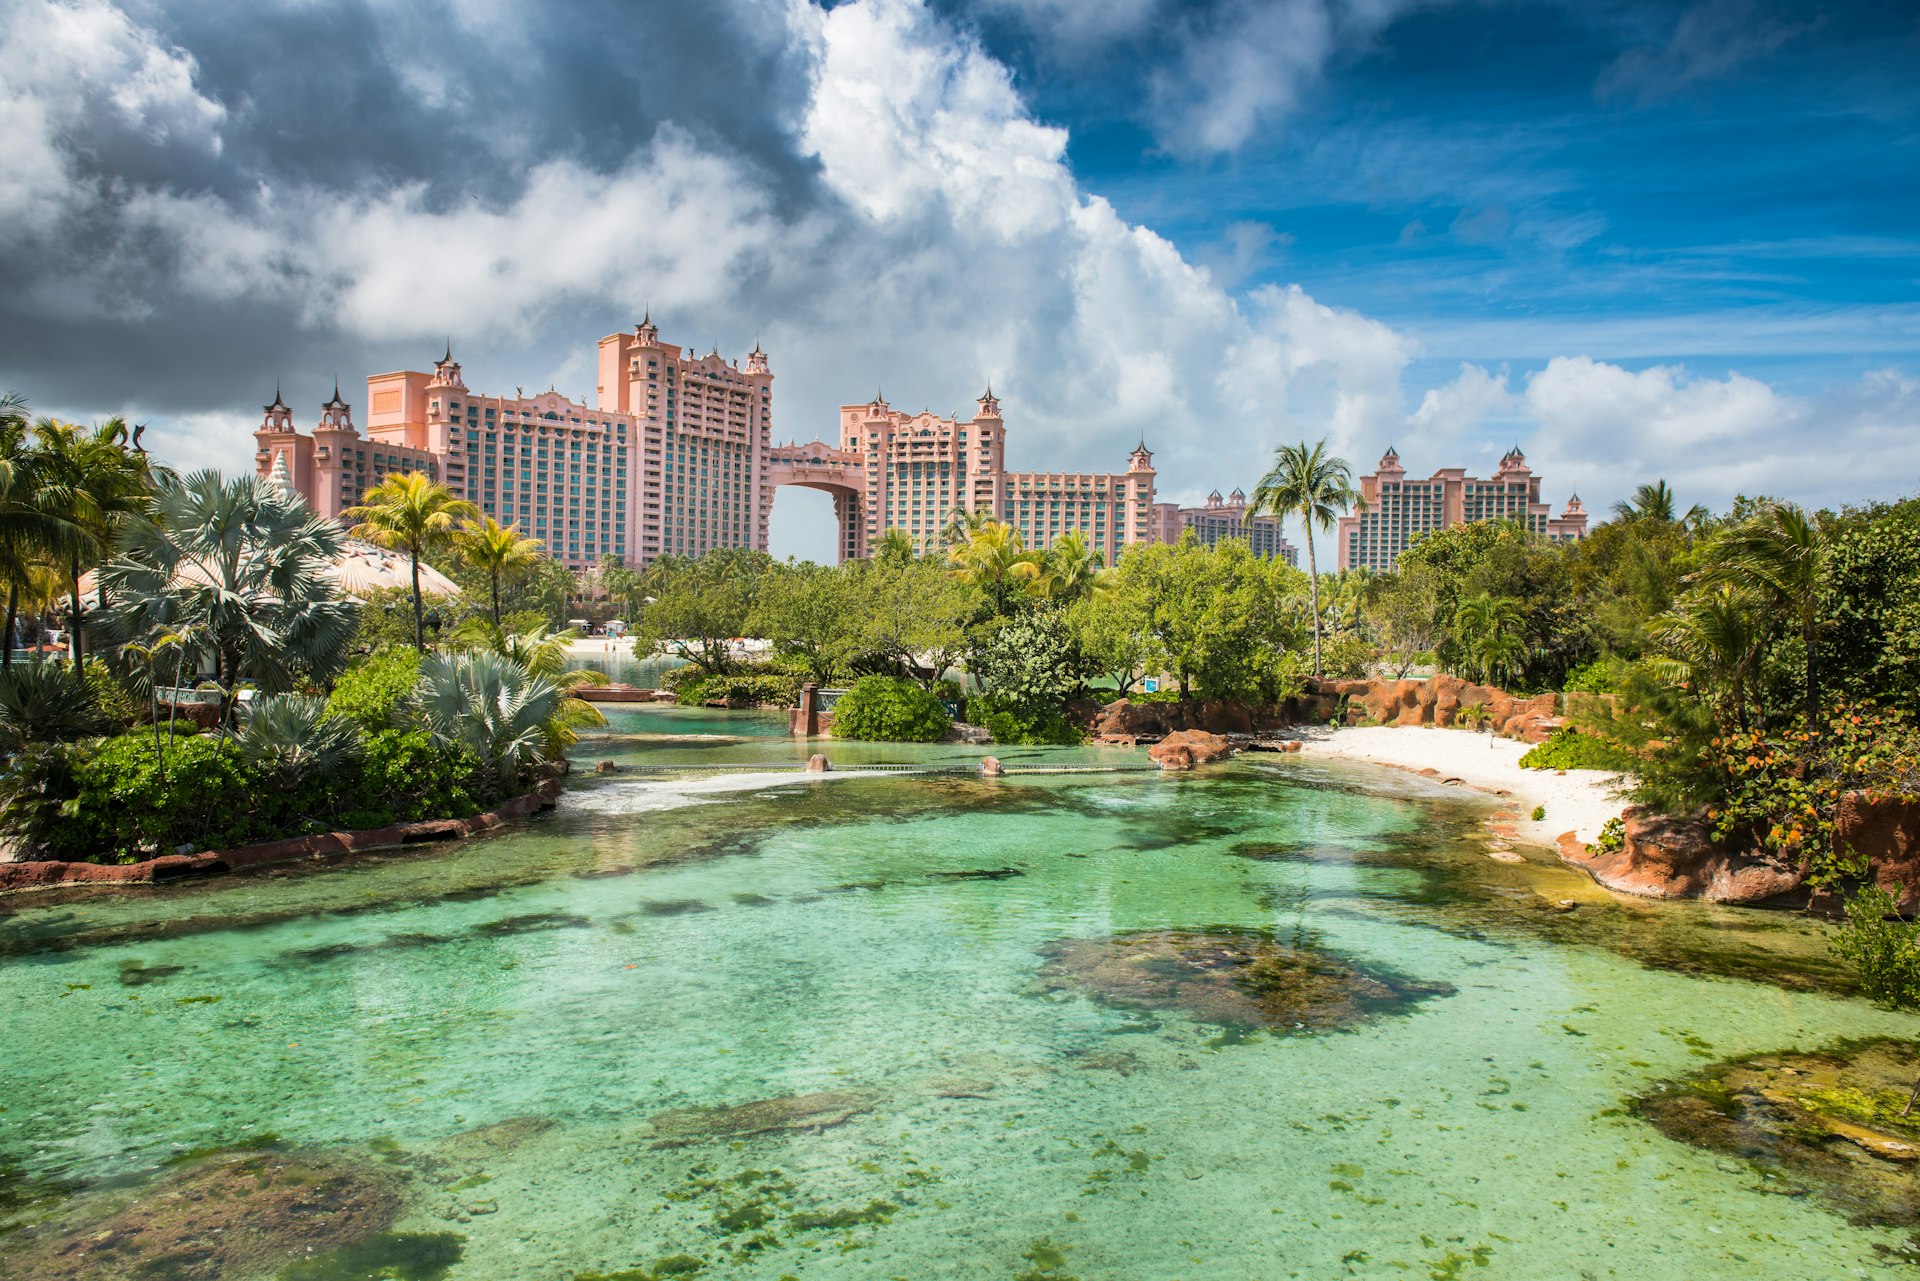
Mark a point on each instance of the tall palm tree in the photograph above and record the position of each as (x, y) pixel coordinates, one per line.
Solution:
(1711, 644)
(496, 550)
(995, 559)
(90, 484)
(1307, 482)
(24, 529)
(962, 523)
(408, 512)
(1779, 555)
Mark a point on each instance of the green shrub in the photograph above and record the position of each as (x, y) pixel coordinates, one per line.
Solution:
(1884, 949)
(131, 802)
(1539, 814)
(371, 693)
(890, 710)
(759, 685)
(406, 776)
(1590, 678)
(115, 696)
(1343, 658)
(1009, 725)
(1570, 749)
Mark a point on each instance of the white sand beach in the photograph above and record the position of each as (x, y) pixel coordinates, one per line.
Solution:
(1578, 801)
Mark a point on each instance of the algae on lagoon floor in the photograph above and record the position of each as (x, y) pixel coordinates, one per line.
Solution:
(502, 1028)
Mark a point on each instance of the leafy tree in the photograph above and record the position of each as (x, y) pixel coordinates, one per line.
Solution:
(701, 605)
(809, 612)
(373, 694)
(1869, 649)
(408, 512)
(916, 617)
(1219, 617)
(1656, 503)
(1109, 629)
(494, 550)
(1030, 662)
(895, 547)
(1309, 483)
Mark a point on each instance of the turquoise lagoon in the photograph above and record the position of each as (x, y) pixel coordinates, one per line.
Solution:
(658, 944)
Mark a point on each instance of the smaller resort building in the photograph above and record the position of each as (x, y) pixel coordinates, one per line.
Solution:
(1399, 508)
(1222, 518)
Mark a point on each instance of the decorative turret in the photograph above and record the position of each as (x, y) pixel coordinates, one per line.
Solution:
(1390, 461)
(879, 400)
(1214, 499)
(336, 414)
(646, 333)
(446, 372)
(1513, 460)
(989, 404)
(757, 360)
(1141, 459)
(1238, 497)
(1574, 508)
(277, 417)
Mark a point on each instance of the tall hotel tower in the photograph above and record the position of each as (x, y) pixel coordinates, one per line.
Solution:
(672, 459)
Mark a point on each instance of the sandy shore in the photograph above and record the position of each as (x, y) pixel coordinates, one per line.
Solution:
(1579, 800)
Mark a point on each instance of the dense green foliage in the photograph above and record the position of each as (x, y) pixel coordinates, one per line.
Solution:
(892, 710)
(1883, 949)
(372, 693)
(756, 685)
(1570, 749)
(1031, 662)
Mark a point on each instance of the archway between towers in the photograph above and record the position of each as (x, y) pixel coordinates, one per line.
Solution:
(836, 472)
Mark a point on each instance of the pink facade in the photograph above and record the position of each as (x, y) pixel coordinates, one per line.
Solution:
(1220, 518)
(675, 457)
(672, 459)
(1398, 509)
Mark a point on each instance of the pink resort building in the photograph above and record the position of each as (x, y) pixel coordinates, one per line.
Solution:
(675, 457)
(1221, 518)
(1399, 508)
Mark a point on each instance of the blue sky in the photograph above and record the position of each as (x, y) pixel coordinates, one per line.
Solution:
(1638, 239)
(1513, 181)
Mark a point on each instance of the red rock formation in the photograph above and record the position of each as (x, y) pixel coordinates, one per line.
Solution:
(1887, 830)
(1666, 857)
(1184, 749)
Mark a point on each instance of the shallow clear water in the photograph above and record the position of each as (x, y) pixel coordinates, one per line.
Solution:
(649, 947)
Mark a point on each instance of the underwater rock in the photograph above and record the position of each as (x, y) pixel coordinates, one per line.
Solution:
(235, 1214)
(493, 1140)
(983, 874)
(764, 1116)
(1828, 1120)
(1183, 749)
(960, 1087)
(1233, 978)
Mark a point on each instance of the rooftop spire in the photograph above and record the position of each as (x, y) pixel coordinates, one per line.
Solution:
(448, 358)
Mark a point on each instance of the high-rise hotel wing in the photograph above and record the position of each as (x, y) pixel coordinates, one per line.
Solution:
(675, 457)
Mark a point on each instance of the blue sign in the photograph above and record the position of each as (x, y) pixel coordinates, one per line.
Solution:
(1151, 684)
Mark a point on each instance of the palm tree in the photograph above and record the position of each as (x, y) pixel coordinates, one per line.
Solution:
(496, 550)
(1711, 644)
(1779, 555)
(235, 567)
(994, 558)
(408, 512)
(963, 523)
(291, 738)
(491, 705)
(895, 547)
(1069, 569)
(1656, 502)
(89, 484)
(1308, 483)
